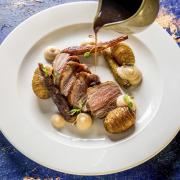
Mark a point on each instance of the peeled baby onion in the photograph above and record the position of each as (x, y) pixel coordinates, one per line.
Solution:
(83, 121)
(123, 54)
(119, 120)
(38, 84)
(88, 41)
(58, 121)
(50, 53)
(125, 100)
(131, 74)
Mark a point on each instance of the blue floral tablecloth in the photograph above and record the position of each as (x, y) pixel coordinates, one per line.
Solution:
(15, 166)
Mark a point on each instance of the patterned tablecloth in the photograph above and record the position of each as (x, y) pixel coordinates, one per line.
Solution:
(14, 166)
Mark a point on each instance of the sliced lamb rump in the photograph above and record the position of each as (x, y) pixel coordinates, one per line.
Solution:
(78, 94)
(68, 76)
(60, 63)
(61, 59)
(101, 98)
(80, 50)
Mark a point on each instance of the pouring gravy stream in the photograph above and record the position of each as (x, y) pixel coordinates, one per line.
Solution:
(112, 11)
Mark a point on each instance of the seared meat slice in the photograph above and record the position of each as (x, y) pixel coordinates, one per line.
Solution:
(80, 50)
(67, 82)
(59, 64)
(61, 59)
(101, 98)
(79, 67)
(56, 96)
(78, 95)
(68, 76)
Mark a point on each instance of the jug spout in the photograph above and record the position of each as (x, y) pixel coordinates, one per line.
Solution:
(126, 16)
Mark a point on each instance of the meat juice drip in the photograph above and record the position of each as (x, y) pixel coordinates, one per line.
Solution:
(114, 11)
(95, 53)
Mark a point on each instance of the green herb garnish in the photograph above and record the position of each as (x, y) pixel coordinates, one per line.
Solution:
(128, 100)
(74, 111)
(45, 70)
(55, 73)
(87, 54)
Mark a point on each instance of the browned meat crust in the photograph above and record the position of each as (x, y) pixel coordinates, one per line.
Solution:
(80, 50)
(68, 76)
(78, 95)
(56, 96)
(62, 59)
(102, 98)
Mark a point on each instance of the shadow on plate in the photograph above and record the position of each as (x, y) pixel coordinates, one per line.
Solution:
(46, 106)
(122, 136)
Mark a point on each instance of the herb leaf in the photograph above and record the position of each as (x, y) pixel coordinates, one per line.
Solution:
(128, 100)
(87, 54)
(45, 70)
(130, 105)
(74, 111)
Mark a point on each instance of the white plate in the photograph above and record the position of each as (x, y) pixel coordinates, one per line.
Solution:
(25, 119)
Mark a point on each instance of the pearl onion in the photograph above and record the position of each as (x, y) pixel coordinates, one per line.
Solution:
(83, 121)
(88, 41)
(120, 102)
(58, 121)
(50, 53)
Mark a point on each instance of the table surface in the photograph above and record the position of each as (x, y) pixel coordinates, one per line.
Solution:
(14, 165)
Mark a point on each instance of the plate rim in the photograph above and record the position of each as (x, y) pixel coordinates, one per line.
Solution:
(100, 173)
(103, 172)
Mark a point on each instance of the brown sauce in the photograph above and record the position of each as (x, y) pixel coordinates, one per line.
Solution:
(114, 11)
